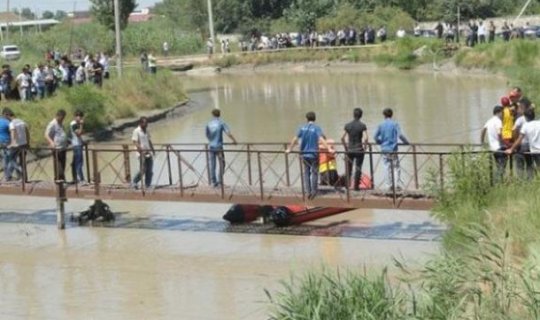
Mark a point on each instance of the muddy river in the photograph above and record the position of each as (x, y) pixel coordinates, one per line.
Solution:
(181, 261)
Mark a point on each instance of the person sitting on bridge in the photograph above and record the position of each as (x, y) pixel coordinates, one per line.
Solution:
(214, 133)
(493, 130)
(145, 152)
(387, 135)
(310, 136)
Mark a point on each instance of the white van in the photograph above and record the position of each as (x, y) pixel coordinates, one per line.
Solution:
(10, 52)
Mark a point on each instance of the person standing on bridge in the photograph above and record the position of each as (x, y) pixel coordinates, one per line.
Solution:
(57, 139)
(493, 130)
(387, 135)
(145, 152)
(76, 132)
(214, 133)
(20, 140)
(310, 135)
(353, 139)
(4, 142)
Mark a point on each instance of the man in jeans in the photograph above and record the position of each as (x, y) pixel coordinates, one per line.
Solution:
(145, 151)
(76, 130)
(387, 135)
(214, 133)
(529, 131)
(4, 142)
(356, 134)
(20, 140)
(493, 130)
(57, 139)
(310, 135)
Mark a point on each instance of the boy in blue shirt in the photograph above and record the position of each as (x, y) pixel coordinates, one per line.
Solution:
(5, 139)
(310, 135)
(214, 133)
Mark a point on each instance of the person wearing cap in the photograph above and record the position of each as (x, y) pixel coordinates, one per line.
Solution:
(507, 121)
(493, 130)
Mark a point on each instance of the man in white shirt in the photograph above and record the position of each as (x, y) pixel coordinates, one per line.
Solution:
(145, 151)
(482, 32)
(530, 131)
(24, 81)
(523, 160)
(57, 139)
(492, 130)
(19, 141)
(76, 128)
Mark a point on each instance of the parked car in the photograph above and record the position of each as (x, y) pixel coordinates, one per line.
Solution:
(10, 52)
(532, 32)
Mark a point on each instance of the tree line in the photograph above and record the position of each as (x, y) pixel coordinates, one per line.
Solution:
(237, 15)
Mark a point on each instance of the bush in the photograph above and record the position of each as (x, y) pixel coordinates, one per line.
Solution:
(91, 101)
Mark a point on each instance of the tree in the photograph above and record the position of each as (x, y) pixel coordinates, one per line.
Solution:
(47, 15)
(103, 11)
(191, 14)
(60, 15)
(27, 14)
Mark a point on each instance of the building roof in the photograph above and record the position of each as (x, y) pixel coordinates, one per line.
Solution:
(29, 23)
(10, 17)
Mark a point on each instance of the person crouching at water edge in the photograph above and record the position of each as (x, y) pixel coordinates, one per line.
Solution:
(493, 130)
(145, 152)
(387, 135)
(328, 165)
(310, 135)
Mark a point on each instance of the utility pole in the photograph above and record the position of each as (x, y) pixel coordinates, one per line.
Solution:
(20, 24)
(118, 34)
(210, 22)
(458, 22)
(7, 23)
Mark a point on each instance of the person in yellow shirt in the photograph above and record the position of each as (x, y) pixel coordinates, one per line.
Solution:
(507, 133)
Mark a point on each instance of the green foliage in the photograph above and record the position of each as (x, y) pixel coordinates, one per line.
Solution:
(47, 14)
(480, 282)
(103, 10)
(89, 100)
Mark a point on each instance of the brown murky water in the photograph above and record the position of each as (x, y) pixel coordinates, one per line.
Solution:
(179, 261)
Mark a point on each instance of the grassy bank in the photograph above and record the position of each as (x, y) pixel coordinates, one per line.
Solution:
(488, 267)
(135, 92)
(399, 54)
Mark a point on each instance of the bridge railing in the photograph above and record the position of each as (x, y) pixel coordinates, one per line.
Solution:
(259, 171)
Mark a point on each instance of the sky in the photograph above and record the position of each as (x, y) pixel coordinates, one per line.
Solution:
(53, 5)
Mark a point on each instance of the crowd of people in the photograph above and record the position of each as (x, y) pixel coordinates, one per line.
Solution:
(513, 134)
(44, 79)
(473, 32)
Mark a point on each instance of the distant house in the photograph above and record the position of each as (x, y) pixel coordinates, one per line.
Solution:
(82, 17)
(15, 22)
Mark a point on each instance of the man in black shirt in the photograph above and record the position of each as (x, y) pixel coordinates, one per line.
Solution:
(356, 135)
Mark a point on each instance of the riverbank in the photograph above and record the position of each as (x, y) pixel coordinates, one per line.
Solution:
(112, 106)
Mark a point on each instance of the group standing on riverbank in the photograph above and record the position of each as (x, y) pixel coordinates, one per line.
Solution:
(513, 134)
(45, 78)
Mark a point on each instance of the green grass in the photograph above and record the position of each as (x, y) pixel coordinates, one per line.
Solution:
(129, 96)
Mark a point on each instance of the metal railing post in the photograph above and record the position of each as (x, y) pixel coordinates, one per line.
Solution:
(261, 183)
(180, 174)
(97, 176)
(348, 168)
(301, 161)
(207, 164)
(393, 156)
(415, 167)
(169, 170)
(127, 164)
(441, 170)
(287, 172)
(60, 208)
(24, 173)
(87, 162)
(221, 165)
(249, 164)
(371, 169)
